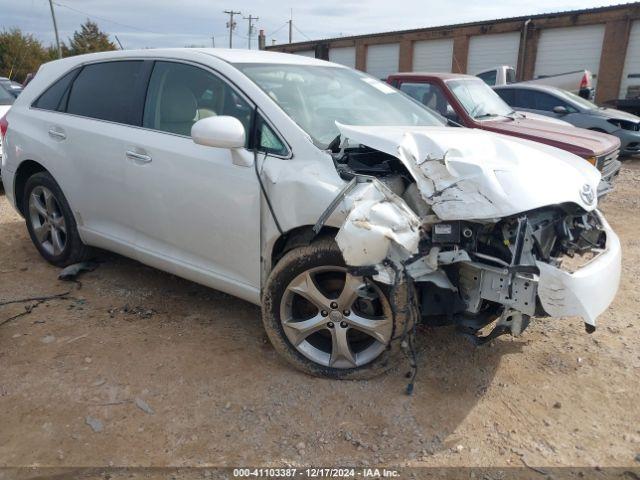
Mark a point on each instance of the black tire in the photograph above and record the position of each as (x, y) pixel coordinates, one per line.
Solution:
(324, 252)
(74, 250)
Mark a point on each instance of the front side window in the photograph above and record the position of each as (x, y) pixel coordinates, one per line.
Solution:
(105, 91)
(478, 99)
(316, 97)
(544, 101)
(179, 95)
(430, 95)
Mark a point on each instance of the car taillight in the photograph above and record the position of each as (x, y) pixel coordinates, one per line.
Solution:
(4, 125)
(584, 83)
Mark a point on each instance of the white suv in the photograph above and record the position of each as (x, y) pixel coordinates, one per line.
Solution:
(347, 210)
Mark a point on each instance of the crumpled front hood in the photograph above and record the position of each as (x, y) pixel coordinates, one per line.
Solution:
(467, 174)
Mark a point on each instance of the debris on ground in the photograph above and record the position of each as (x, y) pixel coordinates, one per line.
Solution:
(137, 311)
(72, 271)
(96, 425)
(144, 406)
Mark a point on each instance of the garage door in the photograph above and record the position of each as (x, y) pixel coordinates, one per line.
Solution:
(631, 72)
(432, 55)
(383, 60)
(306, 53)
(488, 51)
(562, 50)
(344, 56)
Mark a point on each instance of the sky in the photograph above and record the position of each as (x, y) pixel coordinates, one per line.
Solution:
(164, 23)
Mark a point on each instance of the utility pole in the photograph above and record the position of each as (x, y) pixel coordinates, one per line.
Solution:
(251, 29)
(55, 28)
(291, 27)
(231, 25)
(213, 41)
(119, 43)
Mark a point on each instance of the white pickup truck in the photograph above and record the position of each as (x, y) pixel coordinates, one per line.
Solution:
(579, 82)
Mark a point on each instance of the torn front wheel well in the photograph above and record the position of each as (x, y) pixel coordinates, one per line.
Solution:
(298, 237)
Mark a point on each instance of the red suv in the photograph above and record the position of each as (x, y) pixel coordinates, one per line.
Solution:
(467, 101)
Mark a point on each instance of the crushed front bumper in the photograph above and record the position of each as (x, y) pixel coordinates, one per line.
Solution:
(588, 291)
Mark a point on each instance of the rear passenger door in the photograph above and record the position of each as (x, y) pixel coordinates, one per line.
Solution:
(102, 104)
(196, 209)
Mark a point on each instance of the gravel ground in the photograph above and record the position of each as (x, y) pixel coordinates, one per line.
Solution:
(140, 368)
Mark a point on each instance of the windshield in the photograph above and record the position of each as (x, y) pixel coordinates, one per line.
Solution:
(315, 97)
(5, 97)
(479, 100)
(572, 97)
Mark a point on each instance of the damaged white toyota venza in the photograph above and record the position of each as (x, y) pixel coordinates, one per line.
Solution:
(343, 207)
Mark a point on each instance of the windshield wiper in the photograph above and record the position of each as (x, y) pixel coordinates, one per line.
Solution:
(486, 115)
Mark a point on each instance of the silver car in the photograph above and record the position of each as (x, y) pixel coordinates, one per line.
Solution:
(557, 103)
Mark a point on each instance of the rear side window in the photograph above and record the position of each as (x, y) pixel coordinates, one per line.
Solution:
(105, 91)
(54, 97)
(507, 95)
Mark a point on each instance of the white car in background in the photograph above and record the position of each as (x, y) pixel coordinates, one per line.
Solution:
(6, 100)
(344, 208)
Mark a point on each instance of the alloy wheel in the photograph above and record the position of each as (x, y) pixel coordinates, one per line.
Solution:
(336, 319)
(47, 220)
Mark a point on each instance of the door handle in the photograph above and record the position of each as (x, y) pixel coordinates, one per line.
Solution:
(57, 134)
(138, 157)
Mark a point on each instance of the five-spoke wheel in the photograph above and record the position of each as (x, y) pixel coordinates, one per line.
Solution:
(327, 321)
(50, 222)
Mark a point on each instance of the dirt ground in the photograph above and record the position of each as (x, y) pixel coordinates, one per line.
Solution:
(140, 368)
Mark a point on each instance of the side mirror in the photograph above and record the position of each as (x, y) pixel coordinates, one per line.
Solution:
(220, 132)
(560, 110)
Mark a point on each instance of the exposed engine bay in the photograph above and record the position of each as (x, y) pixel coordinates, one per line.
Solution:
(429, 219)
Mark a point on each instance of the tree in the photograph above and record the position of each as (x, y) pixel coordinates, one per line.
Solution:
(20, 54)
(89, 39)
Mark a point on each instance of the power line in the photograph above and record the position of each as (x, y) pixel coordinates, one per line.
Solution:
(105, 19)
(268, 34)
(302, 33)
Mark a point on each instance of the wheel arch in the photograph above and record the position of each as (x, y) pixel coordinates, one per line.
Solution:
(297, 237)
(24, 171)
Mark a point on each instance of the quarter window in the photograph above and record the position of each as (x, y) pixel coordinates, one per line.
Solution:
(54, 98)
(179, 95)
(105, 91)
(268, 141)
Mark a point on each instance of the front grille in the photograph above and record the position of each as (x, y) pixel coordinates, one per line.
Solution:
(608, 164)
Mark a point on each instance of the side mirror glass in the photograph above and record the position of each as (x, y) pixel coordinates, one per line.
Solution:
(560, 110)
(221, 132)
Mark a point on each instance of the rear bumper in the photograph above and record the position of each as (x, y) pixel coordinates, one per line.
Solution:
(588, 291)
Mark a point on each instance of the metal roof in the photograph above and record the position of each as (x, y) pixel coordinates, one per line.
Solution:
(311, 43)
